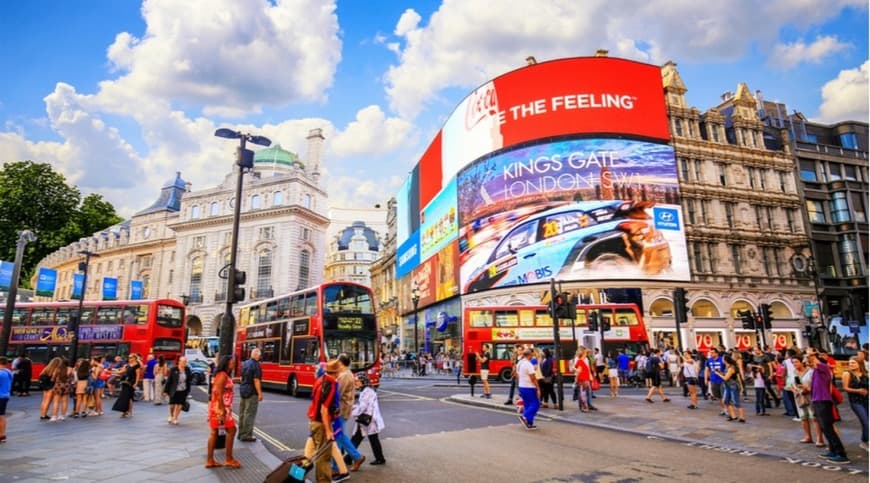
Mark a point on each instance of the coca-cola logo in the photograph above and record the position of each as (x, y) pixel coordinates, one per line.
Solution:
(482, 103)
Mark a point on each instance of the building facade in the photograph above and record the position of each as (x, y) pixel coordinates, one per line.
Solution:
(351, 253)
(179, 246)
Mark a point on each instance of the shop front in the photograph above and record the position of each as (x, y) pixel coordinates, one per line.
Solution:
(706, 339)
(784, 339)
(745, 340)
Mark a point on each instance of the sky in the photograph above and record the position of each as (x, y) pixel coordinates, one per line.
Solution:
(119, 95)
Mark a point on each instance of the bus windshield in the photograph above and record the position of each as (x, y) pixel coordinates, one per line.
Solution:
(360, 347)
(347, 299)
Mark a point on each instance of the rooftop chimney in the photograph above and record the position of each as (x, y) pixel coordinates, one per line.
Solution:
(530, 60)
(601, 53)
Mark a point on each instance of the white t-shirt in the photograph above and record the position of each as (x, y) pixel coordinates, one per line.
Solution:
(599, 359)
(526, 373)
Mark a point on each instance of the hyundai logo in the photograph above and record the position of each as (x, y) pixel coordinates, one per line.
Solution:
(666, 216)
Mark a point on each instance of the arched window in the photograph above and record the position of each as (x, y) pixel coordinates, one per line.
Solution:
(264, 272)
(196, 279)
(278, 198)
(255, 202)
(194, 212)
(215, 208)
(304, 268)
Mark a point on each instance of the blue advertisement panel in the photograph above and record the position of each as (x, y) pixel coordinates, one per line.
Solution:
(408, 255)
(46, 281)
(6, 275)
(439, 224)
(136, 289)
(575, 209)
(110, 288)
(403, 214)
(78, 282)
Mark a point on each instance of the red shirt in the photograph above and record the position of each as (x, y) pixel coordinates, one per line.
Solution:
(581, 368)
(318, 398)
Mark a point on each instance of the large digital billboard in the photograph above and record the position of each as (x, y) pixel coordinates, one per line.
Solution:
(559, 169)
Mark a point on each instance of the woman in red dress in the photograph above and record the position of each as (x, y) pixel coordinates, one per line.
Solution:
(220, 413)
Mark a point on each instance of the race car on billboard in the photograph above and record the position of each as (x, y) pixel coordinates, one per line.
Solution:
(573, 240)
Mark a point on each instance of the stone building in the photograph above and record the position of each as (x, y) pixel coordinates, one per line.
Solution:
(383, 275)
(178, 246)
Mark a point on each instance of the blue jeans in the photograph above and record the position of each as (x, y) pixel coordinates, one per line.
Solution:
(759, 400)
(731, 396)
(860, 410)
(344, 442)
(531, 403)
(789, 403)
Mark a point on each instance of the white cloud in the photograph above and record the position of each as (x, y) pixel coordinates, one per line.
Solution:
(465, 43)
(786, 56)
(846, 97)
(371, 133)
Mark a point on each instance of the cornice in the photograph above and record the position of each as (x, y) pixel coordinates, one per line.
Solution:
(213, 221)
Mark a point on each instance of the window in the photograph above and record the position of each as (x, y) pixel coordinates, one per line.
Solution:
(169, 316)
(691, 125)
(697, 258)
(751, 176)
(840, 208)
(789, 219)
(759, 217)
(146, 285)
(808, 171)
(766, 261)
(304, 268)
(777, 261)
(736, 258)
(194, 212)
(816, 211)
(714, 130)
(215, 208)
(729, 214)
(782, 184)
(136, 315)
(834, 172)
(769, 212)
(690, 211)
(196, 279)
(812, 138)
(858, 207)
(306, 234)
(264, 270)
(699, 177)
(306, 201)
(278, 198)
(761, 176)
(849, 260)
(849, 140)
(684, 169)
(850, 173)
(711, 253)
(678, 127)
(255, 202)
(267, 233)
(705, 208)
(721, 168)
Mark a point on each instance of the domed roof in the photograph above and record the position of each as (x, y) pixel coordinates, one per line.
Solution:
(358, 228)
(276, 155)
(170, 196)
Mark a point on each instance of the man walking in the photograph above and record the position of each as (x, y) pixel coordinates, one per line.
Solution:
(5, 391)
(320, 417)
(529, 390)
(715, 364)
(515, 359)
(346, 389)
(252, 393)
(823, 407)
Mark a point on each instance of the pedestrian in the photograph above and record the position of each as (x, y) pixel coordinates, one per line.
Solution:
(99, 385)
(220, 413)
(801, 388)
(715, 365)
(149, 384)
(46, 384)
(582, 379)
(251, 394)
(690, 376)
(529, 390)
(515, 359)
(6, 379)
(654, 366)
(128, 380)
(16, 378)
(855, 383)
(612, 364)
(483, 360)
(546, 380)
(599, 364)
(673, 360)
(321, 412)
(733, 388)
(623, 364)
(788, 395)
(161, 372)
(758, 384)
(177, 388)
(367, 418)
(823, 406)
(346, 394)
(82, 372)
(60, 390)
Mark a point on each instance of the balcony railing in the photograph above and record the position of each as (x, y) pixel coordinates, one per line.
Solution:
(195, 298)
(220, 296)
(263, 293)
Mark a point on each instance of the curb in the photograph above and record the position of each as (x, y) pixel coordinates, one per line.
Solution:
(852, 470)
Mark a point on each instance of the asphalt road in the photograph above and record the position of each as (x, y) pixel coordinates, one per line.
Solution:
(429, 439)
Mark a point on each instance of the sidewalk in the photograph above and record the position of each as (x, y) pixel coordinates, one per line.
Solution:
(774, 436)
(108, 448)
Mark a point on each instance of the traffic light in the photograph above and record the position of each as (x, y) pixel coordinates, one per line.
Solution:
(748, 320)
(238, 291)
(759, 322)
(593, 321)
(566, 307)
(766, 316)
(559, 306)
(605, 324)
(571, 309)
(808, 331)
(681, 305)
(245, 158)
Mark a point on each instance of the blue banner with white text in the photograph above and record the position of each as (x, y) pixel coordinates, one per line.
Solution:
(46, 282)
(136, 289)
(6, 275)
(110, 288)
(78, 282)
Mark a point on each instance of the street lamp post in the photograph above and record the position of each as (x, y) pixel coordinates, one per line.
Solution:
(415, 299)
(244, 160)
(74, 323)
(24, 237)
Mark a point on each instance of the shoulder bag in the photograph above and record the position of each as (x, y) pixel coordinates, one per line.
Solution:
(364, 419)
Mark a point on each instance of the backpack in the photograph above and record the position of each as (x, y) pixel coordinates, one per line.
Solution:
(326, 390)
(652, 365)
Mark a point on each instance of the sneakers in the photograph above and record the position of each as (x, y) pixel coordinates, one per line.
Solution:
(506, 403)
(827, 455)
(358, 463)
(341, 477)
(839, 460)
(531, 427)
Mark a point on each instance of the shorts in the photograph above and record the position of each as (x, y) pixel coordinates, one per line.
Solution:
(692, 381)
(3, 402)
(81, 387)
(484, 374)
(716, 389)
(806, 413)
(732, 397)
(612, 373)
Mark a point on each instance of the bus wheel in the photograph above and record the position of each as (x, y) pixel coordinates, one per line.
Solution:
(505, 374)
(293, 386)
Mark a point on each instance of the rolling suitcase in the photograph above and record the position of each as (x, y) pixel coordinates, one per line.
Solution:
(295, 468)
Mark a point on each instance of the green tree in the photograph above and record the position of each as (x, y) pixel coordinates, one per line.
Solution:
(35, 197)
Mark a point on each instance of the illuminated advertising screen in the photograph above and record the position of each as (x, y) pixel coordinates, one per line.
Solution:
(559, 169)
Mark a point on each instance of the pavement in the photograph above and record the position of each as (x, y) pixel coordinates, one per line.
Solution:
(146, 448)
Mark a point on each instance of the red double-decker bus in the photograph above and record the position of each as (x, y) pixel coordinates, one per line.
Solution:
(497, 329)
(297, 331)
(107, 328)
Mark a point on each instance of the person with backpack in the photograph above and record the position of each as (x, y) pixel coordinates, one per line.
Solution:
(321, 413)
(654, 366)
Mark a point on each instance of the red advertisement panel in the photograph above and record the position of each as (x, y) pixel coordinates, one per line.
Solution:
(430, 171)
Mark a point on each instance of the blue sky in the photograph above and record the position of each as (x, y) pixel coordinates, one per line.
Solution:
(118, 95)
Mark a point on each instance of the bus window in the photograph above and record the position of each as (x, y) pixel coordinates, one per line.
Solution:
(283, 308)
(109, 315)
(20, 317)
(506, 318)
(42, 317)
(543, 319)
(306, 350)
(297, 306)
(168, 316)
(65, 315)
(480, 318)
(527, 318)
(347, 299)
(311, 303)
(87, 316)
(270, 351)
(168, 345)
(272, 311)
(502, 352)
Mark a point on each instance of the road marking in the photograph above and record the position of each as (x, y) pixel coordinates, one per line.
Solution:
(266, 437)
(413, 397)
(508, 412)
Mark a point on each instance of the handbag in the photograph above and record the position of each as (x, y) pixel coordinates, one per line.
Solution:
(596, 385)
(185, 406)
(364, 419)
(836, 395)
(221, 440)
